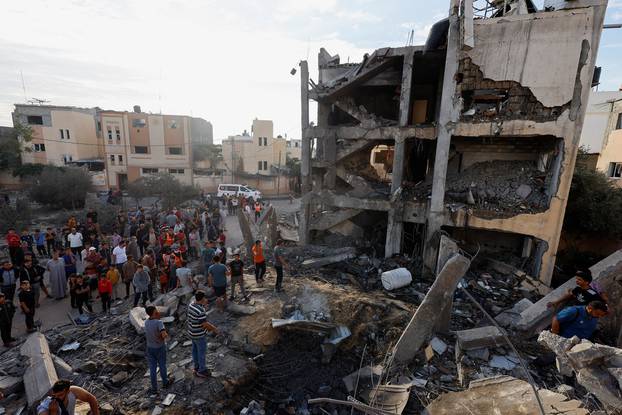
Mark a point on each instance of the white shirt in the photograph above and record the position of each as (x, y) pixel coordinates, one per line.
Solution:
(185, 276)
(119, 254)
(75, 240)
(179, 227)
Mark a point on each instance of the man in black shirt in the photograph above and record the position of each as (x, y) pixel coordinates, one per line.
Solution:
(582, 294)
(237, 276)
(33, 273)
(7, 310)
(27, 304)
(83, 290)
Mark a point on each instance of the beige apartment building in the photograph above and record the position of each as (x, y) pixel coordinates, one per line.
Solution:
(255, 153)
(137, 144)
(126, 145)
(60, 135)
(294, 148)
(602, 134)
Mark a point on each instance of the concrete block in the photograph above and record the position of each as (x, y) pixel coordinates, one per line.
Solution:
(602, 384)
(511, 317)
(40, 375)
(10, 384)
(138, 315)
(479, 337)
(63, 369)
(320, 262)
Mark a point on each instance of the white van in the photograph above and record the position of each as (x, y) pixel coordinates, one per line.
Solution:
(237, 190)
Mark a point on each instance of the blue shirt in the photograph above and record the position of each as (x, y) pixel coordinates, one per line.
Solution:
(575, 321)
(219, 274)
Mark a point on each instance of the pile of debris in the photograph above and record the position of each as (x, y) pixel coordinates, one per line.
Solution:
(502, 187)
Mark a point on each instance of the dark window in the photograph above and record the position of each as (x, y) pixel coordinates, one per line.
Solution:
(615, 170)
(259, 165)
(62, 133)
(109, 134)
(34, 119)
(265, 165)
(259, 141)
(141, 150)
(67, 134)
(619, 122)
(149, 170)
(174, 150)
(173, 124)
(118, 133)
(265, 141)
(138, 122)
(112, 159)
(120, 157)
(38, 148)
(176, 171)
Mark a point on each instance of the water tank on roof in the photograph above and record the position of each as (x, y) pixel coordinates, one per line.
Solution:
(137, 108)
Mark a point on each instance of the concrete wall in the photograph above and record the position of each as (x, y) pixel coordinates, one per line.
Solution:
(267, 185)
(294, 149)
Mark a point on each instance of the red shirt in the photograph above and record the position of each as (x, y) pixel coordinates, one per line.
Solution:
(13, 240)
(104, 286)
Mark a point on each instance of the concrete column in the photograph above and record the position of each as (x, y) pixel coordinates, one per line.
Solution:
(449, 114)
(395, 224)
(305, 163)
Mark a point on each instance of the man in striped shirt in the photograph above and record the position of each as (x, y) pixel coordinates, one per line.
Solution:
(198, 326)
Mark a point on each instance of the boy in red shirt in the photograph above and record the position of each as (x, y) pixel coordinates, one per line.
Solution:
(104, 286)
(15, 245)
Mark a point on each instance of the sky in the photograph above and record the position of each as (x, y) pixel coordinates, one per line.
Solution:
(225, 61)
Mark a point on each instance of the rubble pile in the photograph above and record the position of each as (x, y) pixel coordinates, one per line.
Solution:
(502, 187)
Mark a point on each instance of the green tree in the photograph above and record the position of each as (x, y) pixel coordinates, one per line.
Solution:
(11, 148)
(210, 152)
(594, 205)
(166, 188)
(61, 187)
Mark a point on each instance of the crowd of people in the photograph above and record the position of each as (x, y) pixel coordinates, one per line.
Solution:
(145, 253)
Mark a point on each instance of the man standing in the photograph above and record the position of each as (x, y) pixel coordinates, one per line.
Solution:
(259, 261)
(82, 290)
(114, 277)
(58, 276)
(8, 278)
(7, 310)
(34, 274)
(141, 285)
(104, 287)
(279, 262)
(184, 276)
(119, 255)
(580, 321)
(156, 334)
(236, 268)
(75, 241)
(257, 211)
(39, 238)
(148, 261)
(208, 255)
(15, 246)
(128, 271)
(197, 326)
(27, 305)
(218, 281)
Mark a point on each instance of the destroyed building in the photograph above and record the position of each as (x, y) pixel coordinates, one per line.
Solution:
(474, 133)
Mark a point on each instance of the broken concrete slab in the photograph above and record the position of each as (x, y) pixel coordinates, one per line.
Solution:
(363, 374)
(438, 345)
(240, 308)
(138, 315)
(509, 318)
(502, 395)
(40, 374)
(63, 369)
(488, 336)
(538, 316)
(602, 384)
(425, 319)
(10, 384)
(320, 262)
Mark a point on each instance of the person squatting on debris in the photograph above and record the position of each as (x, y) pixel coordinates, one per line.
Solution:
(27, 304)
(218, 281)
(260, 262)
(197, 331)
(584, 293)
(156, 335)
(7, 311)
(580, 320)
(63, 398)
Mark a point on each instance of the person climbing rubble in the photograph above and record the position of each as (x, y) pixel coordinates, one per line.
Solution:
(580, 321)
(156, 335)
(198, 326)
(584, 293)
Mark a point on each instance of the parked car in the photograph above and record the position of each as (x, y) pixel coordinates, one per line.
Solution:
(237, 190)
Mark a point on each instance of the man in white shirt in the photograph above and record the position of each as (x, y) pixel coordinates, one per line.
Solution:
(75, 241)
(119, 256)
(184, 276)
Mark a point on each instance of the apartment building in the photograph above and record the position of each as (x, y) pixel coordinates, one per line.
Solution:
(257, 152)
(602, 134)
(138, 144)
(202, 131)
(479, 140)
(294, 147)
(60, 134)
